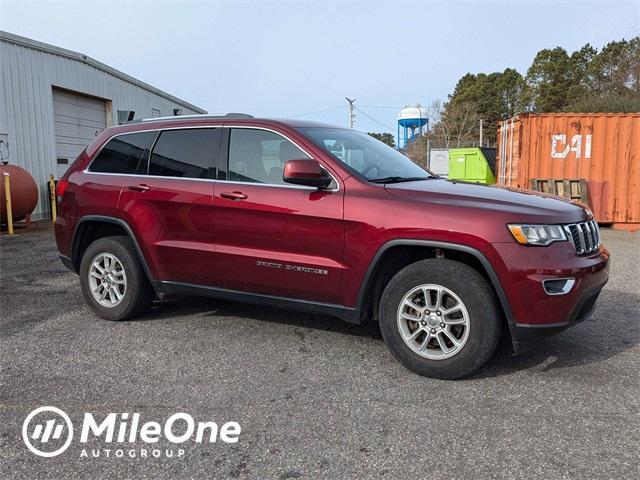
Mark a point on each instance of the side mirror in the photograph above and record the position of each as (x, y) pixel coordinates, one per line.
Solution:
(306, 172)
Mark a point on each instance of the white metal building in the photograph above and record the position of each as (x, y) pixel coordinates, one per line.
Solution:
(54, 101)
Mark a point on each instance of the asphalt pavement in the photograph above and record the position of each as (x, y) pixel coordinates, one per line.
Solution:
(315, 397)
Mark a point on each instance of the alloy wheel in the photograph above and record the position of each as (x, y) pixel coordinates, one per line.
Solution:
(433, 321)
(107, 280)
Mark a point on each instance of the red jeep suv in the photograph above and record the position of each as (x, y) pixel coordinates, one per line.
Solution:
(324, 219)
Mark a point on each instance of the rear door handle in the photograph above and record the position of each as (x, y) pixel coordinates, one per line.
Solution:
(139, 188)
(233, 195)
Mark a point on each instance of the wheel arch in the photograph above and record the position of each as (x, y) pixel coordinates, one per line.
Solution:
(386, 263)
(91, 227)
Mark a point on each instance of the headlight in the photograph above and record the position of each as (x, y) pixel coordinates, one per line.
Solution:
(537, 234)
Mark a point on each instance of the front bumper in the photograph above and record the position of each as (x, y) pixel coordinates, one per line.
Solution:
(524, 336)
(535, 313)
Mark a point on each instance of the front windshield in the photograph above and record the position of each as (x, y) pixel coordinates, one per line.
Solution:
(367, 156)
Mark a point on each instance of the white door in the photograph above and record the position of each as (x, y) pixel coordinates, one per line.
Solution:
(77, 119)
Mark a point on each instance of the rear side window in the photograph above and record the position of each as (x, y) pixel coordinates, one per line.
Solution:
(187, 153)
(123, 153)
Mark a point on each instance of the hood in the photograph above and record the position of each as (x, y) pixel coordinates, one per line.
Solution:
(524, 205)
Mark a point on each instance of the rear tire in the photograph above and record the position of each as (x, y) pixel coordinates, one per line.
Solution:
(113, 282)
(451, 337)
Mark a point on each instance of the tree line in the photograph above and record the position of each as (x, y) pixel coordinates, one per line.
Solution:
(587, 80)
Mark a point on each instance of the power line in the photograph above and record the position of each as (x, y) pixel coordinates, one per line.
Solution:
(351, 107)
(373, 119)
(317, 111)
(378, 106)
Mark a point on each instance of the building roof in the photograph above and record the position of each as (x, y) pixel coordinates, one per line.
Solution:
(82, 58)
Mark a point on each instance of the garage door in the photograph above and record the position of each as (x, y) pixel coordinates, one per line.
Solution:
(78, 119)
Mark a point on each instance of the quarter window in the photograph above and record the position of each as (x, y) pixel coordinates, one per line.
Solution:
(123, 153)
(258, 156)
(188, 153)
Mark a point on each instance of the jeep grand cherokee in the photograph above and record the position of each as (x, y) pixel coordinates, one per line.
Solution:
(324, 219)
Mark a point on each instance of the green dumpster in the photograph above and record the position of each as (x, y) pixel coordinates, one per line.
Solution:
(472, 164)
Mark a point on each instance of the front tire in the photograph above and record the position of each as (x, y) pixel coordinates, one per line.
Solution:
(440, 318)
(113, 281)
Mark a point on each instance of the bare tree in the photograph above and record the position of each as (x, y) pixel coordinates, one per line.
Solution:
(454, 124)
(438, 133)
(463, 123)
(417, 150)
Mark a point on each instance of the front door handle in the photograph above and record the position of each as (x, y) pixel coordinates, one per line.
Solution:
(233, 195)
(139, 188)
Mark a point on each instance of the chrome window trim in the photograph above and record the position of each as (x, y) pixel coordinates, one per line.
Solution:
(138, 175)
(212, 180)
(297, 187)
(273, 185)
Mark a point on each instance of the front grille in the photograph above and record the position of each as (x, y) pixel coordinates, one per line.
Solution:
(585, 236)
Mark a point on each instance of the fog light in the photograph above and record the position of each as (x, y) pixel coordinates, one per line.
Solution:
(558, 286)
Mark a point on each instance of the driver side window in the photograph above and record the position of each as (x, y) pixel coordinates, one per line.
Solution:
(258, 156)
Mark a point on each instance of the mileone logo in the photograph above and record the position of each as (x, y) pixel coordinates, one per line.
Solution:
(48, 431)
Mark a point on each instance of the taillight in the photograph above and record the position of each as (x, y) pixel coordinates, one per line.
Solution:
(61, 186)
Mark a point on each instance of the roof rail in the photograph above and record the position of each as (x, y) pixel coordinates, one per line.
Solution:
(203, 116)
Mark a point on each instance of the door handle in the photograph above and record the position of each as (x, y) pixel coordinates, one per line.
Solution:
(139, 188)
(233, 195)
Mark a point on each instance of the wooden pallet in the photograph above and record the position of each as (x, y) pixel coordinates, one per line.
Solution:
(574, 189)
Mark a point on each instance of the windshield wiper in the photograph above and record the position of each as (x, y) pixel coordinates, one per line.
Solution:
(398, 179)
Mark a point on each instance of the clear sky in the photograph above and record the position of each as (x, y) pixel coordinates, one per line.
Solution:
(291, 58)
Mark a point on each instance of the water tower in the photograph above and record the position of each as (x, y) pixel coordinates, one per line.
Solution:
(412, 123)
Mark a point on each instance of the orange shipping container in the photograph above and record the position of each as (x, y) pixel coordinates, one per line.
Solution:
(602, 148)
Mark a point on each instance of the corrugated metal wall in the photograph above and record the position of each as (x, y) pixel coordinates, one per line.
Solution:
(26, 105)
(603, 148)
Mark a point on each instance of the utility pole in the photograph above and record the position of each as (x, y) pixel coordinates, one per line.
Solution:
(352, 114)
(480, 132)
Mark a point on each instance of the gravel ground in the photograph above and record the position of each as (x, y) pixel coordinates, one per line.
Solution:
(316, 398)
